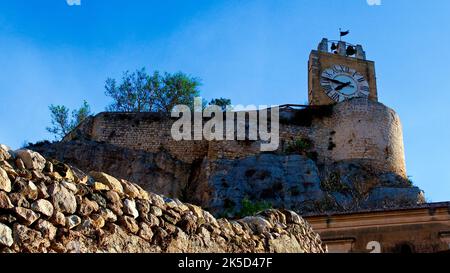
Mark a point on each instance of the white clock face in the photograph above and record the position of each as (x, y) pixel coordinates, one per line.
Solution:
(341, 83)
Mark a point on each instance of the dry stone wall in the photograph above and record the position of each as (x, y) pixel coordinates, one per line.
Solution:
(47, 206)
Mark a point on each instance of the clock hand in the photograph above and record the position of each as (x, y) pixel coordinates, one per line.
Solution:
(333, 80)
(342, 86)
(338, 82)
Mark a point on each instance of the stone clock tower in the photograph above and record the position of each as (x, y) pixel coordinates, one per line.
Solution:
(338, 71)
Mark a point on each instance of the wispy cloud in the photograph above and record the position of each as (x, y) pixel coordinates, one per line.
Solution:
(374, 2)
(73, 2)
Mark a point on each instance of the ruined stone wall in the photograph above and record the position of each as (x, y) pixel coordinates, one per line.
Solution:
(358, 129)
(149, 132)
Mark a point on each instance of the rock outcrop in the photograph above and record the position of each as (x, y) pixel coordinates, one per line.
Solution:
(47, 206)
(285, 181)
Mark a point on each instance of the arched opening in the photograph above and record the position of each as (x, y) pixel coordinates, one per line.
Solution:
(405, 248)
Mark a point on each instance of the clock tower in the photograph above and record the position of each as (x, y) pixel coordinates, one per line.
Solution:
(339, 71)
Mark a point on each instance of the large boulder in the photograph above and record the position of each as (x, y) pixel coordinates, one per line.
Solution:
(6, 238)
(31, 159)
(106, 179)
(43, 206)
(5, 202)
(5, 183)
(62, 199)
(4, 152)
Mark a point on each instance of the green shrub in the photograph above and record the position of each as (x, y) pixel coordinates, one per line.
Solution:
(333, 184)
(299, 146)
(250, 208)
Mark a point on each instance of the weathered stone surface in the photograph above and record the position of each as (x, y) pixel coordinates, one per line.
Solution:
(20, 165)
(130, 208)
(258, 224)
(130, 224)
(32, 160)
(6, 238)
(145, 231)
(42, 190)
(63, 170)
(109, 216)
(130, 190)
(27, 215)
(87, 207)
(19, 200)
(118, 240)
(48, 167)
(5, 202)
(4, 152)
(5, 183)
(29, 240)
(63, 200)
(43, 206)
(198, 212)
(8, 168)
(278, 180)
(143, 207)
(70, 186)
(73, 221)
(108, 180)
(46, 228)
(157, 200)
(27, 188)
(101, 187)
(156, 211)
(59, 219)
(98, 221)
(7, 219)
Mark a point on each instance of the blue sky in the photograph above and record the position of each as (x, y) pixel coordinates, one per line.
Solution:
(253, 52)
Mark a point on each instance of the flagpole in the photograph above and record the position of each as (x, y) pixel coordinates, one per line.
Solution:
(340, 34)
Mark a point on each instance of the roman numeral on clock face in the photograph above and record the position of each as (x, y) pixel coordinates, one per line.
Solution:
(327, 88)
(325, 81)
(335, 97)
(365, 89)
(328, 74)
(344, 69)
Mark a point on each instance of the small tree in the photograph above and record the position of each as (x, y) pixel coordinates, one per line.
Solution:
(225, 104)
(133, 94)
(62, 124)
(140, 92)
(175, 89)
(81, 114)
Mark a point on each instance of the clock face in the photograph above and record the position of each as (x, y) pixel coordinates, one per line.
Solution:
(341, 83)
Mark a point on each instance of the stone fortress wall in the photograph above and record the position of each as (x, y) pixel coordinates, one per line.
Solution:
(358, 129)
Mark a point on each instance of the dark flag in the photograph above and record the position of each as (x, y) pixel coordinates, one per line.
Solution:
(344, 33)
